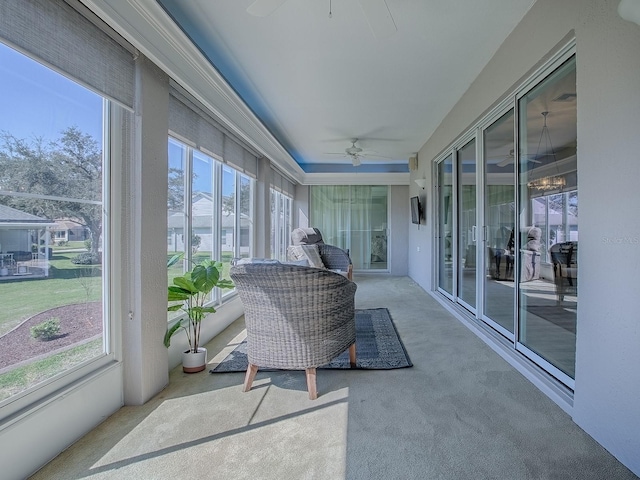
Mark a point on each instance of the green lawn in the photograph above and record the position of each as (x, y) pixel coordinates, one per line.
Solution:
(73, 245)
(21, 378)
(67, 284)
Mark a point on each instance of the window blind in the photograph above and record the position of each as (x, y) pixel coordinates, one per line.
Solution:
(55, 34)
(189, 121)
(282, 184)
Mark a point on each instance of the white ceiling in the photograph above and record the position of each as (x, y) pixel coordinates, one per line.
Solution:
(316, 82)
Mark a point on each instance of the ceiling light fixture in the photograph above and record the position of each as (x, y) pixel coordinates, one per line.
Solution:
(550, 182)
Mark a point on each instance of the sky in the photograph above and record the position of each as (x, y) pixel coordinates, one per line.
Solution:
(36, 101)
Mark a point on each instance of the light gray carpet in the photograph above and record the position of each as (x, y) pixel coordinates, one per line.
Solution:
(461, 412)
(378, 347)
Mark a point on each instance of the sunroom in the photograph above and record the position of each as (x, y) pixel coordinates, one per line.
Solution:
(127, 123)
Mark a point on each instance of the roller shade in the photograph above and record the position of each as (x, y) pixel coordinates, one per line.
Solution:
(190, 122)
(280, 183)
(55, 34)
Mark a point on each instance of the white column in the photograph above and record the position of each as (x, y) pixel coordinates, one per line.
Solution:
(145, 358)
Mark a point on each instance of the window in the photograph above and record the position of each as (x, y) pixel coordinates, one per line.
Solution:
(54, 292)
(203, 199)
(281, 224)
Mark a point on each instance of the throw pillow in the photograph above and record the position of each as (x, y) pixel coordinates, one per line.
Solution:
(306, 236)
(301, 263)
(308, 252)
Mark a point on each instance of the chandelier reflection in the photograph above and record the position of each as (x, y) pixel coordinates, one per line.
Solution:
(550, 182)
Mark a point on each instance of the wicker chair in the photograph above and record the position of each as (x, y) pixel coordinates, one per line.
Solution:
(333, 258)
(297, 318)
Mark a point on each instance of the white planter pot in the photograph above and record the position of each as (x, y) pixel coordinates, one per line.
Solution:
(194, 362)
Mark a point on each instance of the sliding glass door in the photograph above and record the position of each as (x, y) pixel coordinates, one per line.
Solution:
(548, 214)
(445, 225)
(354, 218)
(467, 230)
(523, 191)
(499, 220)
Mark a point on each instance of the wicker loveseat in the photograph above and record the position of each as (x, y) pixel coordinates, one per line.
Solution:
(297, 317)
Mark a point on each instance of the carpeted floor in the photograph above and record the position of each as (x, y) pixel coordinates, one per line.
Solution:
(460, 413)
(556, 314)
(378, 346)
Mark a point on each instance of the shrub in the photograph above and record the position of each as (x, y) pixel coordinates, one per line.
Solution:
(87, 244)
(47, 329)
(62, 243)
(87, 258)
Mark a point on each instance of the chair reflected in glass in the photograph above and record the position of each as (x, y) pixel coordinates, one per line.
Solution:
(564, 257)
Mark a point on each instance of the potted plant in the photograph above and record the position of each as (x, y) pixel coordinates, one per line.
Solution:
(191, 290)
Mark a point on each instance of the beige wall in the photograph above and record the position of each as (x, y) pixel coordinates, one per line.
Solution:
(608, 72)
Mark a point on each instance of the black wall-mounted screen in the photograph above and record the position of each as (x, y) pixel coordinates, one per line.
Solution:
(416, 210)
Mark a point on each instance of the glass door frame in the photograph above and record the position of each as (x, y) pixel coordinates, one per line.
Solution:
(511, 101)
(447, 154)
(454, 151)
(507, 105)
(546, 70)
(348, 231)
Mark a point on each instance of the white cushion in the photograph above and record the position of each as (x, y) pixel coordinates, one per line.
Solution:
(245, 261)
(308, 252)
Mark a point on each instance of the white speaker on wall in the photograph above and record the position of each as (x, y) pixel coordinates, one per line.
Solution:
(413, 163)
(630, 10)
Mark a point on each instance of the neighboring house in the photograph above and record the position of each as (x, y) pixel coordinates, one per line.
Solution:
(18, 232)
(202, 212)
(68, 230)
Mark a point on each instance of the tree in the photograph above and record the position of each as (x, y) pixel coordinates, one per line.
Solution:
(229, 202)
(70, 167)
(175, 198)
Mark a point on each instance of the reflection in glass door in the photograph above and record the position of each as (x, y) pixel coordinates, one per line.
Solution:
(499, 220)
(445, 225)
(528, 253)
(548, 232)
(467, 232)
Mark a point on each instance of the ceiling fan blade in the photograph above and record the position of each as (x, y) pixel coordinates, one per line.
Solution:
(507, 160)
(379, 17)
(264, 8)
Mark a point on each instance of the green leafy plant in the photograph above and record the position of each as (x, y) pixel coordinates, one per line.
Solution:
(191, 290)
(47, 329)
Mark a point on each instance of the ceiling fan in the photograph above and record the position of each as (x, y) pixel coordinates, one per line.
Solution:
(376, 11)
(355, 153)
